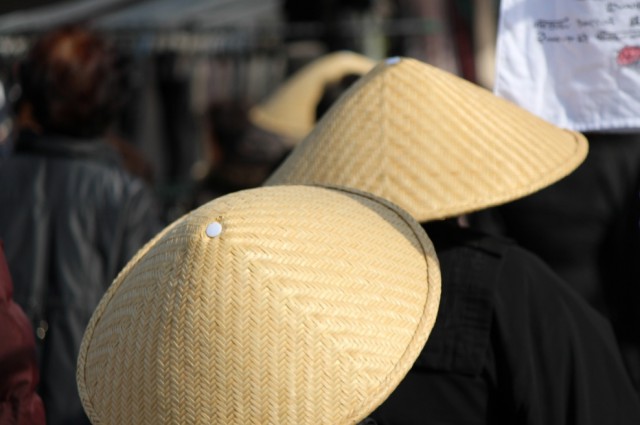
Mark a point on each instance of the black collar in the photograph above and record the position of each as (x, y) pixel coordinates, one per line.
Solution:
(29, 143)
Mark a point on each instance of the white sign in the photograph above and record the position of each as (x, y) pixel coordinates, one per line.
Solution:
(575, 63)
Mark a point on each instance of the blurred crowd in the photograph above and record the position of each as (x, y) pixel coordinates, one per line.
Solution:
(528, 233)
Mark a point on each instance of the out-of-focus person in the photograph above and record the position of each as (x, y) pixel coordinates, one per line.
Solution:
(71, 215)
(245, 143)
(19, 402)
(5, 123)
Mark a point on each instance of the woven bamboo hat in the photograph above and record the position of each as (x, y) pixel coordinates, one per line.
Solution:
(431, 142)
(290, 110)
(282, 305)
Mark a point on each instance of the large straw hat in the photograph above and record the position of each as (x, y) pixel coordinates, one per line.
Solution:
(282, 305)
(431, 142)
(290, 110)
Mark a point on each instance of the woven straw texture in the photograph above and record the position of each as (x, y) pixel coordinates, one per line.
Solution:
(309, 308)
(433, 143)
(290, 110)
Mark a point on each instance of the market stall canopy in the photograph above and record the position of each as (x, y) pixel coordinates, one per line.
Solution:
(193, 26)
(116, 15)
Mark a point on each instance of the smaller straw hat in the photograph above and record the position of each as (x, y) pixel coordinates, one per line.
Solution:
(280, 305)
(431, 142)
(290, 110)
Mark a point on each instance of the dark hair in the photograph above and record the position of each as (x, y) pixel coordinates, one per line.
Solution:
(74, 82)
(240, 139)
(228, 120)
(332, 91)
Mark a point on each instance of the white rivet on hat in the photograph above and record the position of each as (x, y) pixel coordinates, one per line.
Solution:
(393, 60)
(214, 229)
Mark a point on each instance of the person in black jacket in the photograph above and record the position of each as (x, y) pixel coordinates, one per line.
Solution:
(70, 214)
(512, 343)
(586, 228)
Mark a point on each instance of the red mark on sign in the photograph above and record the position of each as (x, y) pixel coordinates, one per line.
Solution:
(629, 55)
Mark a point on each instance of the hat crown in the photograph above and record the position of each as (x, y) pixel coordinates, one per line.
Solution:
(273, 305)
(431, 142)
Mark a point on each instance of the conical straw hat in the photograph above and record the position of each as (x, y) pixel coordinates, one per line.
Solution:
(290, 110)
(433, 143)
(282, 305)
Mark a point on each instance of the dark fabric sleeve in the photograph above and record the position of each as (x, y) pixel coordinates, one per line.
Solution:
(559, 354)
(139, 220)
(452, 381)
(143, 221)
(548, 357)
(585, 227)
(436, 398)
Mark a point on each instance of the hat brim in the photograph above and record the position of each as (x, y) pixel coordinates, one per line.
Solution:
(308, 305)
(433, 143)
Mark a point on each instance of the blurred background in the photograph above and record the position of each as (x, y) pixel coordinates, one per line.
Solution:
(183, 55)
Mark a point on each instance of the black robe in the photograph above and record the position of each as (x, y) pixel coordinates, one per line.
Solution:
(585, 227)
(512, 344)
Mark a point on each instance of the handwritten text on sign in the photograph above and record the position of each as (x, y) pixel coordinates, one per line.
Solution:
(620, 24)
(576, 63)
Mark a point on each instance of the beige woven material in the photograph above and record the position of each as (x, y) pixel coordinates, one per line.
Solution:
(436, 145)
(309, 307)
(290, 110)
